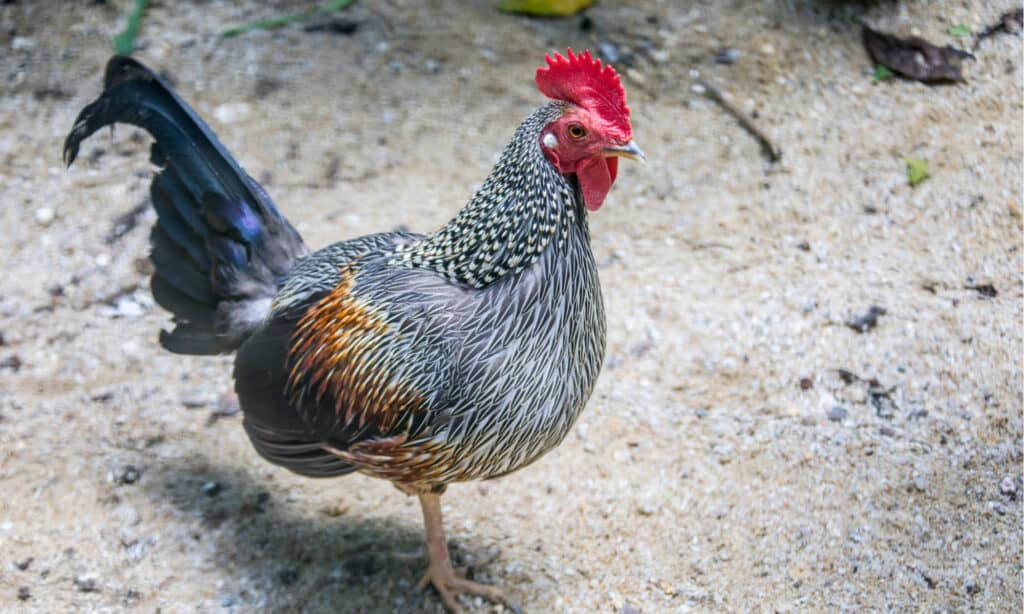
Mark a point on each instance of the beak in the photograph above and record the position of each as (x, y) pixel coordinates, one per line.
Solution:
(629, 150)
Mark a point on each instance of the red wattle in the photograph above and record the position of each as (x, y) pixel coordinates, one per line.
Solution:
(596, 176)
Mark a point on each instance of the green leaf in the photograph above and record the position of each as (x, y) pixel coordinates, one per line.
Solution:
(917, 170)
(959, 30)
(283, 20)
(124, 43)
(544, 8)
(882, 73)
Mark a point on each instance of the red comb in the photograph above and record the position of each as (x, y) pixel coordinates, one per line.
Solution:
(583, 81)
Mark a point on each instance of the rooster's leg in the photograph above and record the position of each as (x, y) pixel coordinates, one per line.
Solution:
(440, 573)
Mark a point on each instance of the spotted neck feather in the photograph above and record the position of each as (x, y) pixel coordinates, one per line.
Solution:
(522, 207)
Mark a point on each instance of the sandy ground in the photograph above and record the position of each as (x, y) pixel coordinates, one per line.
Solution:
(702, 476)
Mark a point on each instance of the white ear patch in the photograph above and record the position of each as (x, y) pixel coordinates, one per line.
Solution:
(549, 141)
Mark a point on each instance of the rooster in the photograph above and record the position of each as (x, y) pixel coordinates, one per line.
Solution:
(464, 354)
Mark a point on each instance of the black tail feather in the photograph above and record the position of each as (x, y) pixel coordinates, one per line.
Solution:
(220, 245)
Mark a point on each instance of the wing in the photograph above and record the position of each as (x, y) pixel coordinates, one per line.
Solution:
(352, 364)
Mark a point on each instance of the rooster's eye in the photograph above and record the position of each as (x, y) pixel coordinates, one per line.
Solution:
(577, 132)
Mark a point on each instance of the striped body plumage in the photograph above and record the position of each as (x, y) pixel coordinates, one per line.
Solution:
(464, 354)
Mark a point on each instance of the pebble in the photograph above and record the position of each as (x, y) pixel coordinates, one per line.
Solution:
(128, 474)
(124, 307)
(727, 56)
(24, 593)
(608, 51)
(19, 43)
(628, 609)
(227, 405)
(86, 584)
(45, 215)
(1008, 486)
(646, 510)
(212, 488)
(12, 362)
(195, 402)
(838, 413)
(231, 112)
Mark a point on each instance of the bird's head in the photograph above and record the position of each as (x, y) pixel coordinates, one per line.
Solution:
(593, 131)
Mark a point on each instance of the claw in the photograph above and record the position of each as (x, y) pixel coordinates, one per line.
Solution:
(448, 585)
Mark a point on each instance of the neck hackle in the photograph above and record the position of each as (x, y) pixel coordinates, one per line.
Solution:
(524, 205)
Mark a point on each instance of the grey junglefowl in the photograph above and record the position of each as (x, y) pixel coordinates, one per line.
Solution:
(464, 354)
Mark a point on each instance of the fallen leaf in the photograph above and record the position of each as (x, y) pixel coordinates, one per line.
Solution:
(882, 73)
(917, 170)
(959, 30)
(544, 8)
(915, 57)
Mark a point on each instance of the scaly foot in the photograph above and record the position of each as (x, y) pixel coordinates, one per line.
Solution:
(449, 584)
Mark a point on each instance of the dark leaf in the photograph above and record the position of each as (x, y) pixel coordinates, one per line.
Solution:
(915, 57)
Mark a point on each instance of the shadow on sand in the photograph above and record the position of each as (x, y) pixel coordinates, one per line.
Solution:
(273, 555)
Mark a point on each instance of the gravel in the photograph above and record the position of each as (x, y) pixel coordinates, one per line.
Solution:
(759, 499)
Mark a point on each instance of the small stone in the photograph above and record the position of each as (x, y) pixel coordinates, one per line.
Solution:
(212, 488)
(195, 401)
(727, 56)
(20, 43)
(432, 66)
(24, 593)
(628, 609)
(45, 215)
(86, 584)
(646, 510)
(128, 474)
(806, 383)
(608, 51)
(231, 112)
(227, 602)
(227, 405)
(767, 49)
(24, 565)
(701, 413)
(837, 413)
(12, 362)
(1008, 486)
